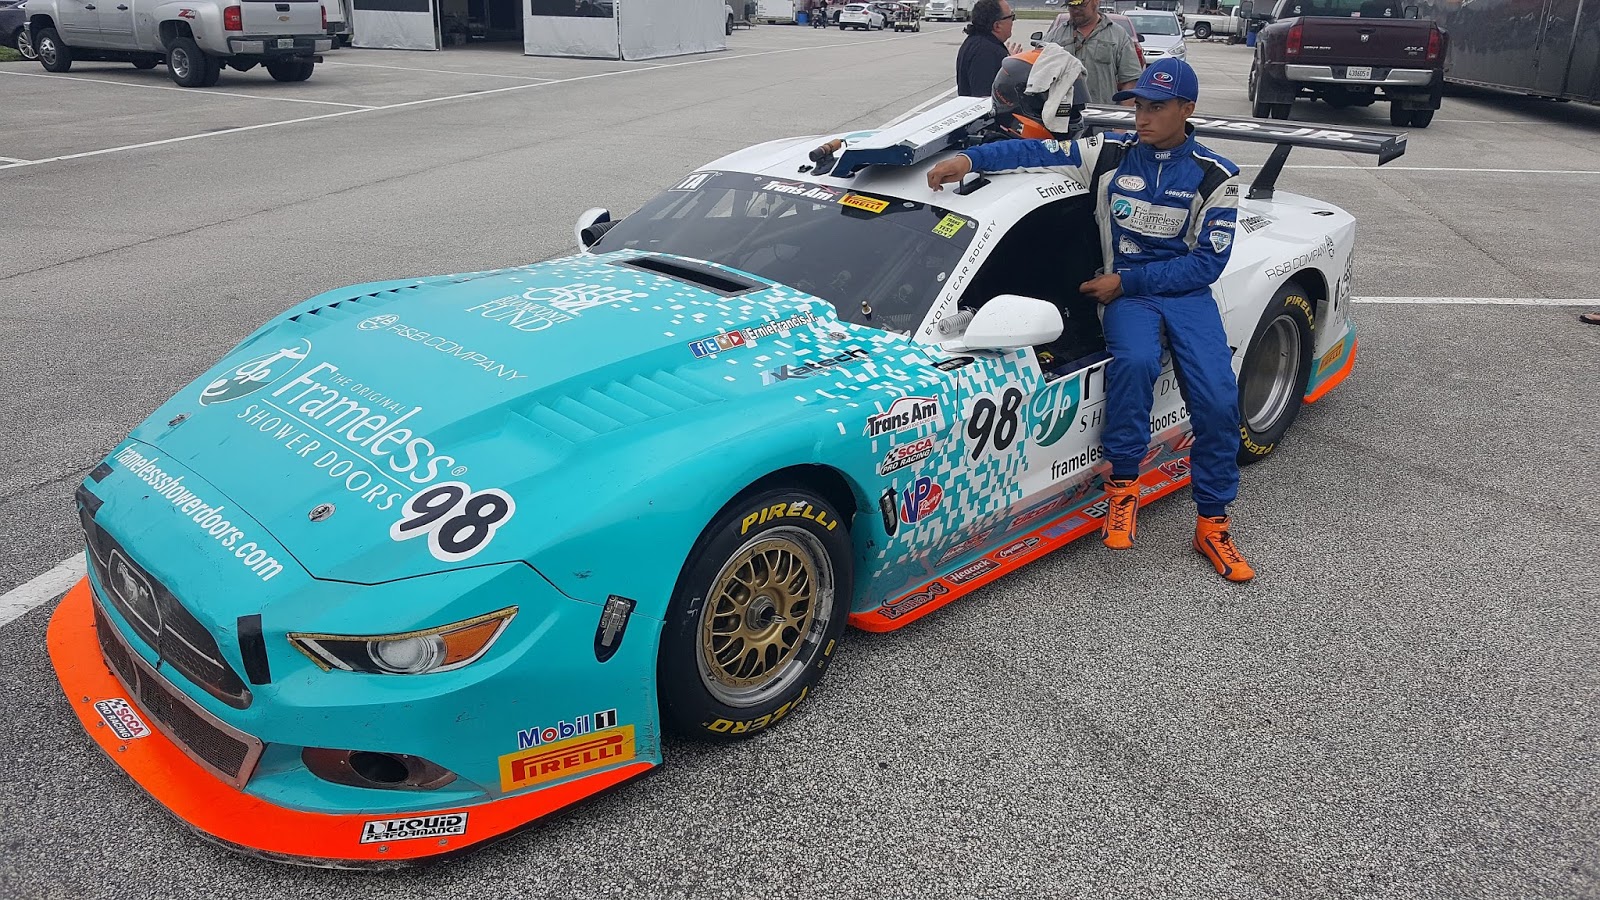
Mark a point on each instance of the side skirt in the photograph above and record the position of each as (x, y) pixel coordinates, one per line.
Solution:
(1012, 555)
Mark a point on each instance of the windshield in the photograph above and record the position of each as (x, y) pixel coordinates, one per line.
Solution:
(880, 261)
(1155, 24)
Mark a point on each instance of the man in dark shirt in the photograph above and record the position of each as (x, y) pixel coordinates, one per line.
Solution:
(985, 47)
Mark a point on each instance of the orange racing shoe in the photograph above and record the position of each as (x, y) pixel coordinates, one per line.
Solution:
(1213, 541)
(1122, 511)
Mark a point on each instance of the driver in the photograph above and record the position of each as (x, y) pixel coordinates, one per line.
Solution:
(1166, 207)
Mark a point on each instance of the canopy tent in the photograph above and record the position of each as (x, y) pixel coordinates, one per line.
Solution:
(623, 29)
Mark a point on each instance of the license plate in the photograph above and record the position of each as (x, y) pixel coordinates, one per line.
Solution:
(1358, 72)
(288, 44)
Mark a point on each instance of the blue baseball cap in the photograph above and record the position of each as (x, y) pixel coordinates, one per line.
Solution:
(1168, 78)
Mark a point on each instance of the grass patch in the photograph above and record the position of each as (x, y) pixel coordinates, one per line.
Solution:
(1038, 13)
(9, 55)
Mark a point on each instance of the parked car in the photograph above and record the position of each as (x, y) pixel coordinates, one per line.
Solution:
(949, 10)
(1160, 34)
(862, 16)
(14, 27)
(1349, 53)
(357, 597)
(1231, 22)
(195, 40)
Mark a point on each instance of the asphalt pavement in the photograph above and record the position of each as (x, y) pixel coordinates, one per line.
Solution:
(1404, 704)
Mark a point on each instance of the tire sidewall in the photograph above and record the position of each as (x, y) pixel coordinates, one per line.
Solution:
(48, 37)
(193, 63)
(687, 707)
(1292, 301)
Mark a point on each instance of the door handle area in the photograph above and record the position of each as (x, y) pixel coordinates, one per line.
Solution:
(88, 6)
(122, 7)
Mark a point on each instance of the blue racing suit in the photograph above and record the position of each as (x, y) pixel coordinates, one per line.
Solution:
(1166, 226)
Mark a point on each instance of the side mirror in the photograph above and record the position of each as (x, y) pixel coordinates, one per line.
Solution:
(1413, 13)
(1141, 38)
(590, 225)
(1010, 322)
(1036, 36)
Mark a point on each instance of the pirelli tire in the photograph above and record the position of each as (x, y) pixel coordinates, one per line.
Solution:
(1277, 367)
(756, 615)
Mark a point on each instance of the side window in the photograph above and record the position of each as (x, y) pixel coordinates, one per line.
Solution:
(1047, 255)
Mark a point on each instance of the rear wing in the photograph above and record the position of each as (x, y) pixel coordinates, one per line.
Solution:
(1386, 145)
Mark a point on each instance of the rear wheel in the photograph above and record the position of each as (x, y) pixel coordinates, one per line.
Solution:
(188, 64)
(53, 55)
(755, 616)
(1399, 116)
(1421, 118)
(1276, 368)
(1202, 30)
(290, 69)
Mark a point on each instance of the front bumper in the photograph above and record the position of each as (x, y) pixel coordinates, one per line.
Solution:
(219, 810)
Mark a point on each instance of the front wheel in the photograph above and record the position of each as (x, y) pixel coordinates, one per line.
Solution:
(145, 63)
(755, 616)
(1202, 30)
(24, 43)
(1276, 368)
(53, 55)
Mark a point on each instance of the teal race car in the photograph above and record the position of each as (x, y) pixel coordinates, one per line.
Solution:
(422, 561)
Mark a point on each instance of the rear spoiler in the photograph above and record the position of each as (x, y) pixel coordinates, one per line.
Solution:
(1386, 145)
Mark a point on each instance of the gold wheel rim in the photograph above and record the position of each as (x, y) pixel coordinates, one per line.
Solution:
(763, 606)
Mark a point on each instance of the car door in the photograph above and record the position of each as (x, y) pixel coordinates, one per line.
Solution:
(116, 23)
(79, 22)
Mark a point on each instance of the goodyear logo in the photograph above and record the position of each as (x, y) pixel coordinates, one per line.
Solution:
(565, 759)
(870, 204)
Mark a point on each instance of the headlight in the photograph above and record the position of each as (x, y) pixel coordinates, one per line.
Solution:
(408, 653)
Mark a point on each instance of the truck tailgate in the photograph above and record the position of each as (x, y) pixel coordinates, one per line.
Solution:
(266, 17)
(1399, 43)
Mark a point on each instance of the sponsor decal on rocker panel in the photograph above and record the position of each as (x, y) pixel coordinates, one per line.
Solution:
(385, 830)
(350, 431)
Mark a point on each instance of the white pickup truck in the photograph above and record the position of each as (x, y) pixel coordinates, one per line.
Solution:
(1231, 22)
(195, 38)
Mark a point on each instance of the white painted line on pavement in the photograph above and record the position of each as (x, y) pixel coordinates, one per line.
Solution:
(439, 71)
(52, 584)
(926, 104)
(1483, 301)
(470, 95)
(13, 159)
(201, 92)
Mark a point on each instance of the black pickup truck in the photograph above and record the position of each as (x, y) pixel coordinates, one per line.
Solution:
(1349, 53)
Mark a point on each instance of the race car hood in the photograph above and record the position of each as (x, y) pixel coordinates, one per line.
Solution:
(380, 434)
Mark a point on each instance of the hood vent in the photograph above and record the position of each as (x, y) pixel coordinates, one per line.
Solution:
(717, 281)
(616, 405)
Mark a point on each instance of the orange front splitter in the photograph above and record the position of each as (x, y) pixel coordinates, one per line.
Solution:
(245, 822)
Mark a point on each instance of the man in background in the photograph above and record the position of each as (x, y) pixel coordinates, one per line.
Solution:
(1106, 50)
(980, 56)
